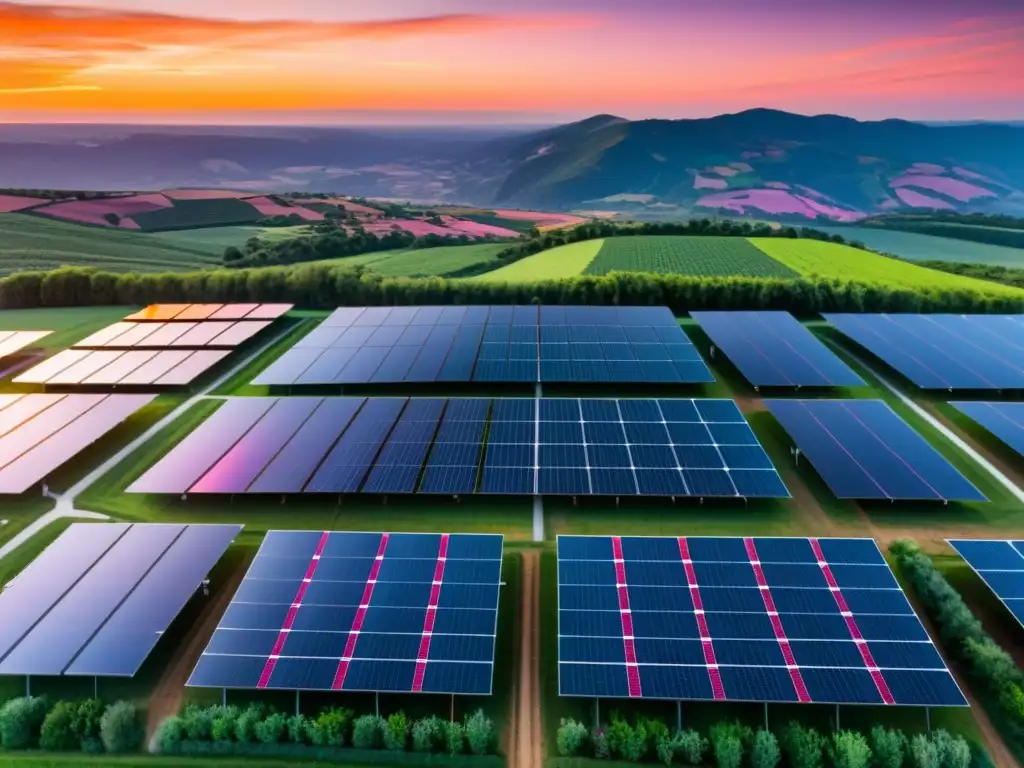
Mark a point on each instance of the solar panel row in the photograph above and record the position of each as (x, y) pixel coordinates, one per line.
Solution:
(741, 619)
(773, 349)
(359, 345)
(566, 446)
(1000, 564)
(944, 351)
(97, 600)
(164, 312)
(39, 433)
(164, 368)
(1004, 420)
(863, 450)
(361, 612)
(15, 341)
(210, 334)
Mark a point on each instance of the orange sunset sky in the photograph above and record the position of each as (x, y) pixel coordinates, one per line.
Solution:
(506, 60)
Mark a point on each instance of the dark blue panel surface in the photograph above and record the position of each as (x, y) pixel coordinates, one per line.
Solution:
(1004, 420)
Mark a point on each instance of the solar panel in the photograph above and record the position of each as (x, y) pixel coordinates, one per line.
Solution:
(193, 312)
(944, 351)
(97, 600)
(1004, 420)
(15, 341)
(211, 334)
(741, 619)
(863, 450)
(1000, 564)
(387, 345)
(548, 446)
(167, 367)
(773, 349)
(38, 433)
(340, 611)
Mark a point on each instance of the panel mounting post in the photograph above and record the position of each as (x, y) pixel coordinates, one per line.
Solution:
(223, 697)
(96, 687)
(376, 703)
(766, 715)
(453, 708)
(28, 685)
(679, 715)
(837, 717)
(298, 707)
(928, 718)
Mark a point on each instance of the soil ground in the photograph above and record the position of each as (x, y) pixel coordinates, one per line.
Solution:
(527, 728)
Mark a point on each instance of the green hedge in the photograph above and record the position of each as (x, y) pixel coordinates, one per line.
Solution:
(326, 286)
(30, 722)
(330, 754)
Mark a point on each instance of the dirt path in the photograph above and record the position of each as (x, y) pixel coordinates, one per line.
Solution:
(169, 693)
(527, 727)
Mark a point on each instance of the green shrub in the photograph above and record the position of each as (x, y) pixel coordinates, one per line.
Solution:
(331, 727)
(953, 751)
(21, 720)
(480, 733)
(298, 729)
(850, 750)
(634, 746)
(888, 746)
(245, 725)
(691, 747)
(57, 733)
(368, 732)
(803, 747)
(728, 751)
(120, 728)
(655, 730)
(602, 750)
(429, 734)
(272, 729)
(222, 725)
(171, 734)
(87, 722)
(571, 737)
(764, 752)
(396, 732)
(455, 738)
(619, 733)
(197, 722)
(923, 752)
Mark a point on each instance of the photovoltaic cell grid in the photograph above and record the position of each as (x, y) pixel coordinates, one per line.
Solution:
(96, 601)
(944, 351)
(1000, 564)
(1004, 420)
(39, 433)
(178, 312)
(772, 349)
(359, 345)
(211, 334)
(323, 611)
(115, 367)
(863, 450)
(564, 446)
(741, 619)
(15, 341)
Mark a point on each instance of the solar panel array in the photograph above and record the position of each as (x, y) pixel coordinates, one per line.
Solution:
(114, 367)
(210, 334)
(323, 611)
(15, 341)
(1000, 564)
(178, 312)
(96, 601)
(1004, 420)
(567, 446)
(741, 619)
(773, 349)
(944, 351)
(39, 433)
(863, 450)
(360, 345)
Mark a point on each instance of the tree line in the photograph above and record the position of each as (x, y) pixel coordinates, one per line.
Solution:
(325, 286)
(992, 272)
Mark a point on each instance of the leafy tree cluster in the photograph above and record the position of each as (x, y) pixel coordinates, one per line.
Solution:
(291, 220)
(986, 663)
(63, 194)
(991, 229)
(734, 745)
(325, 286)
(69, 726)
(995, 273)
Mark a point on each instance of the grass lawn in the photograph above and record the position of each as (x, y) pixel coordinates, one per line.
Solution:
(682, 255)
(18, 512)
(564, 261)
(69, 324)
(920, 247)
(425, 262)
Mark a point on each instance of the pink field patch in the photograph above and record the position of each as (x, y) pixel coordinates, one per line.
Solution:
(545, 220)
(476, 229)
(969, 174)
(928, 168)
(96, 211)
(776, 185)
(751, 155)
(705, 182)
(813, 193)
(268, 207)
(742, 167)
(11, 203)
(128, 224)
(888, 204)
(725, 170)
(204, 194)
(917, 200)
(775, 201)
(413, 227)
(955, 188)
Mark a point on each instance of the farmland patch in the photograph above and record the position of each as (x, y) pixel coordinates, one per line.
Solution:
(564, 261)
(697, 256)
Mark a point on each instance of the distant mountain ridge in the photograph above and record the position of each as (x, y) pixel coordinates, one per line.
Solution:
(759, 162)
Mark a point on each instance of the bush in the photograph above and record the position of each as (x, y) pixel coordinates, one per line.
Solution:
(368, 732)
(396, 732)
(198, 722)
(953, 752)
(171, 734)
(21, 720)
(728, 751)
(923, 752)
(888, 747)
(57, 733)
(691, 746)
(602, 751)
(765, 750)
(87, 723)
(222, 726)
(245, 725)
(120, 728)
(455, 738)
(850, 750)
(429, 734)
(298, 729)
(634, 747)
(480, 733)
(571, 737)
(331, 728)
(803, 747)
(272, 729)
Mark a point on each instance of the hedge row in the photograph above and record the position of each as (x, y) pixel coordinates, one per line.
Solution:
(31, 722)
(256, 729)
(730, 745)
(984, 661)
(326, 286)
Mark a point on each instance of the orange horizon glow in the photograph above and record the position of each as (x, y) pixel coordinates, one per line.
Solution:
(88, 62)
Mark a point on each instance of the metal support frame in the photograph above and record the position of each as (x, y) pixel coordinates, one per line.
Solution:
(223, 697)
(376, 703)
(679, 715)
(928, 718)
(597, 714)
(28, 685)
(837, 717)
(298, 706)
(766, 716)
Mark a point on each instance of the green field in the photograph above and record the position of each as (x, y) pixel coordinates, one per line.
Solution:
(565, 261)
(426, 262)
(192, 214)
(68, 324)
(697, 256)
(829, 261)
(36, 243)
(215, 239)
(920, 247)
